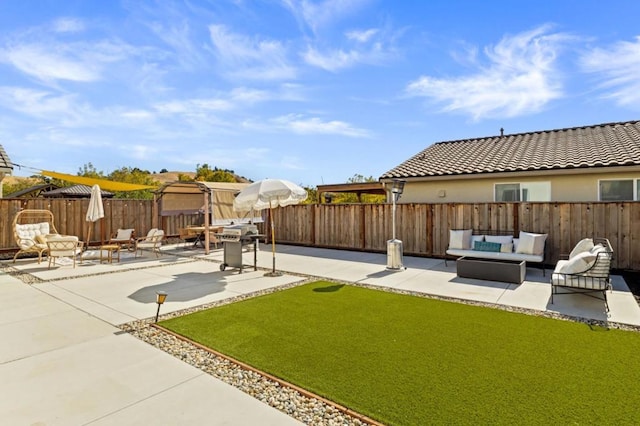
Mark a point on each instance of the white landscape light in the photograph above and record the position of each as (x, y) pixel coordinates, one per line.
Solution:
(161, 296)
(394, 246)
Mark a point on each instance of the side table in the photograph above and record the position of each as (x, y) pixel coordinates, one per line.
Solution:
(111, 251)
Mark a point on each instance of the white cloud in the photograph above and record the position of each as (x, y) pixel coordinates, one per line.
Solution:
(520, 79)
(361, 36)
(318, 14)
(249, 58)
(314, 125)
(38, 103)
(618, 66)
(51, 61)
(47, 64)
(331, 61)
(366, 47)
(68, 25)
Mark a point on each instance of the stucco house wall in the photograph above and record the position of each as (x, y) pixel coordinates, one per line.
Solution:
(578, 186)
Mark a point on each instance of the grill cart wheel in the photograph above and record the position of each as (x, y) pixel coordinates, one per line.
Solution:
(223, 266)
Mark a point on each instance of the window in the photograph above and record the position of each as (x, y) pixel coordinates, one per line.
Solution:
(524, 191)
(619, 190)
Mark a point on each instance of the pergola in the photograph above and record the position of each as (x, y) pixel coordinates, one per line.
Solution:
(373, 188)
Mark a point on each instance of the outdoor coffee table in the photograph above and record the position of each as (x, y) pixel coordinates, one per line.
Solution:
(112, 250)
(508, 271)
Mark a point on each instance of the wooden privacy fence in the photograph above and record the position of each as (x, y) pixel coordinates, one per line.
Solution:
(70, 214)
(423, 228)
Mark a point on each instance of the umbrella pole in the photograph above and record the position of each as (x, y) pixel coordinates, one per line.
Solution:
(88, 237)
(273, 241)
(273, 272)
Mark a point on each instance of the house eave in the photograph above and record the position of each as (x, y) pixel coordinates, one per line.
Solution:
(520, 173)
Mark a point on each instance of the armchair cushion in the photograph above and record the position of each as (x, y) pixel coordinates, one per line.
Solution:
(583, 245)
(577, 264)
(123, 235)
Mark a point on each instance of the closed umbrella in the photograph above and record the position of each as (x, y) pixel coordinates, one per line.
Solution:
(95, 210)
(269, 193)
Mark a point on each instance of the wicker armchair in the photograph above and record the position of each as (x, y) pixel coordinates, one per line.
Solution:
(31, 228)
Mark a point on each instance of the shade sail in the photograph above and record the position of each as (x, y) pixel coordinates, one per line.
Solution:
(109, 185)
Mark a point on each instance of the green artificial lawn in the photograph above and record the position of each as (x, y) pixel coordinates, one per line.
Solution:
(407, 360)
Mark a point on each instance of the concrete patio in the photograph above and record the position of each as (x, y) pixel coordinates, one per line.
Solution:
(65, 361)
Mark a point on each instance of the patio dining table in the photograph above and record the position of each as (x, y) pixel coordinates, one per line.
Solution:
(200, 230)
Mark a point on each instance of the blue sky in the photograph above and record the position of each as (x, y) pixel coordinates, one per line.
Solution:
(310, 91)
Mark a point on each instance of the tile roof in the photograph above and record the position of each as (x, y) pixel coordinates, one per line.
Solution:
(6, 166)
(75, 191)
(602, 145)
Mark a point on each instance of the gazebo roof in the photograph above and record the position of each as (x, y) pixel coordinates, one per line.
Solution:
(6, 166)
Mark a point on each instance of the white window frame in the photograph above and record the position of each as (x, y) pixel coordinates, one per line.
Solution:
(635, 181)
(520, 189)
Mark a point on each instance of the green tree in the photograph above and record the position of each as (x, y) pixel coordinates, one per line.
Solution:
(184, 178)
(205, 173)
(345, 197)
(19, 185)
(312, 195)
(136, 176)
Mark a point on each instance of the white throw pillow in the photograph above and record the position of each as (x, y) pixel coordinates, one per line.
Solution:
(585, 244)
(502, 239)
(579, 263)
(531, 243)
(506, 248)
(460, 239)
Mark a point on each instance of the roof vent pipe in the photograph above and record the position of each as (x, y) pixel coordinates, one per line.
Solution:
(501, 132)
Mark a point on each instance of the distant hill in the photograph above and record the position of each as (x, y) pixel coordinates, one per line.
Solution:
(173, 176)
(160, 177)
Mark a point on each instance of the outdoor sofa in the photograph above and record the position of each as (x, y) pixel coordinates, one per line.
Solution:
(497, 245)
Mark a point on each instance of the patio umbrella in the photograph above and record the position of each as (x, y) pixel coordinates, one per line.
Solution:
(269, 193)
(95, 210)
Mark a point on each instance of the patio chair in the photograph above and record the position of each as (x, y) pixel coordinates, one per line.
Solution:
(152, 241)
(31, 228)
(124, 238)
(64, 246)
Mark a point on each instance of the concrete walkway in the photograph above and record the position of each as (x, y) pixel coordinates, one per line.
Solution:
(64, 360)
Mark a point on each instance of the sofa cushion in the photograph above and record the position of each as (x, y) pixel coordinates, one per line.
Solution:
(460, 239)
(502, 239)
(475, 238)
(531, 243)
(486, 246)
(583, 245)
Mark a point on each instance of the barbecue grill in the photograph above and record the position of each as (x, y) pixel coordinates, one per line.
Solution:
(234, 238)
